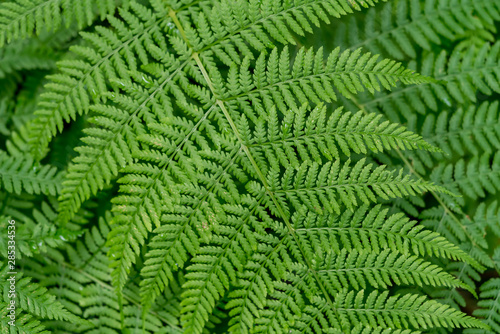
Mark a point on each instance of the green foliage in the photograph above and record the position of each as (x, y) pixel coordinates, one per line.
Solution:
(399, 29)
(250, 166)
(21, 19)
(488, 305)
(20, 173)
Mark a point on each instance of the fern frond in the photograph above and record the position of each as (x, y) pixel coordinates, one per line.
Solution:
(452, 133)
(86, 184)
(474, 178)
(306, 135)
(489, 307)
(25, 323)
(311, 80)
(405, 311)
(259, 24)
(365, 231)
(463, 73)
(37, 234)
(328, 187)
(21, 19)
(34, 299)
(26, 56)
(87, 79)
(355, 270)
(20, 173)
(111, 53)
(398, 28)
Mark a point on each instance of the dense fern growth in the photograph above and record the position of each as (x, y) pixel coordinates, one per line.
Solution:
(250, 166)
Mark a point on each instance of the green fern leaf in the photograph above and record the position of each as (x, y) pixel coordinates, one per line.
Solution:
(398, 28)
(20, 173)
(22, 19)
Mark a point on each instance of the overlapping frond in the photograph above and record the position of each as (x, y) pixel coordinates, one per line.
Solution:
(33, 300)
(473, 178)
(404, 311)
(452, 133)
(462, 74)
(25, 323)
(21, 173)
(489, 307)
(261, 293)
(468, 229)
(111, 53)
(36, 233)
(241, 25)
(398, 28)
(21, 19)
(26, 56)
(80, 277)
(102, 308)
(311, 79)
